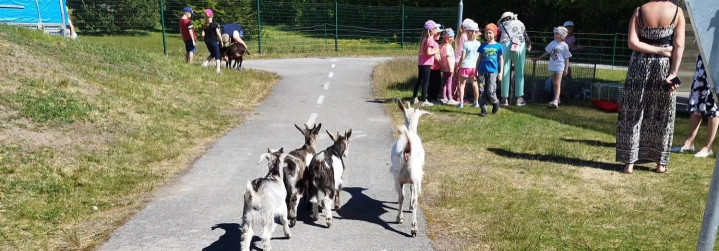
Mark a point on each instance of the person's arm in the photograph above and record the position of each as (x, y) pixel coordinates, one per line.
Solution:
(566, 67)
(636, 45)
(678, 48)
(501, 67)
(219, 36)
(191, 30)
(429, 51)
(542, 56)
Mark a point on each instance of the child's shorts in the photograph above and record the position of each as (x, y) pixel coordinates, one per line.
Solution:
(468, 72)
(189, 47)
(557, 72)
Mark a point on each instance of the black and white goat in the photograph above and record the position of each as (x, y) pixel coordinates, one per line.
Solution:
(295, 170)
(265, 200)
(324, 176)
(408, 161)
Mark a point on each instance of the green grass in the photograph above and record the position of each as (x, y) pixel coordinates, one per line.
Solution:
(534, 178)
(88, 129)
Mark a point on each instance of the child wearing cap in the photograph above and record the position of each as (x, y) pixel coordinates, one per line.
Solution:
(492, 57)
(462, 36)
(558, 62)
(447, 54)
(468, 64)
(435, 75)
(188, 34)
(213, 39)
(428, 47)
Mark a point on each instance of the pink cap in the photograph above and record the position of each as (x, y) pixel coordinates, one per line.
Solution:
(208, 13)
(429, 25)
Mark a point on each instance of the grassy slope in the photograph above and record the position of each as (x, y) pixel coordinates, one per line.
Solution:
(533, 178)
(87, 130)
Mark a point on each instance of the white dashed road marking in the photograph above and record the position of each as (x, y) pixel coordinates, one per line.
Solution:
(331, 75)
(333, 65)
(327, 85)
(313, 116)
(320, 99)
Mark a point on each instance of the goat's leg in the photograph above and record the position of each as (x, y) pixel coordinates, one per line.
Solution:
(415, 205)
(267, 234)
(315, 211)
(285, 225)
(247, 233)
(239, 66)
(327, 200)
(337, 199)
(295, 202)
(400, 201)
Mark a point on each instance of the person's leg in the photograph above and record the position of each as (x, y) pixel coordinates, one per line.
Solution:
(216, 55)
(462, 81)
(484, 92)
(490, 82)
(711, 133)
(557, 84)
(447, 87)
(695, 121)
(425, 83)
(507, 70)
(519, 72)
(475, 88)
(419, 81)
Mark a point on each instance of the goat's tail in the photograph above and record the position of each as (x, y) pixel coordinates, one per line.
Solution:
(407, 147)
(251, 193)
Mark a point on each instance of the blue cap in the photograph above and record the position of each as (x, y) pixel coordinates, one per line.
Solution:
(188, 9)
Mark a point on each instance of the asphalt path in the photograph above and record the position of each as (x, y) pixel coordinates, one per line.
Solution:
(202, 210)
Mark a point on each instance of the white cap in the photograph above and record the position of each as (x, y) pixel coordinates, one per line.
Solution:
(508, 14)
(568, 23)
(466, 22)
(438, 27)
(473, 27)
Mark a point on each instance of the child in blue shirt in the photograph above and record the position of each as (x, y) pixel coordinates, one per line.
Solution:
(489, 68)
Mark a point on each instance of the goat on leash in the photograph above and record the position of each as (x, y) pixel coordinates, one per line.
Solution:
(265, 200)
(324, 176)
(408, 161)
(295, 172)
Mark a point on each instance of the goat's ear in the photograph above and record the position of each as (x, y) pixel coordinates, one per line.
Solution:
(316, 129)
(282, 150)
(348, 134)
(401, 106)
(265, 156)
(423, 112)
(298, 128)
(332, 137)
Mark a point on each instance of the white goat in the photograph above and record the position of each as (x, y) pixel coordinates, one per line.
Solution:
(408, 161)
(265, 200)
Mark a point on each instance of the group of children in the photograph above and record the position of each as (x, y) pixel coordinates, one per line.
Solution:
(215, 39)
(476, 61)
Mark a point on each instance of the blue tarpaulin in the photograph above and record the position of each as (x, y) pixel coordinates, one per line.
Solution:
(47, 12)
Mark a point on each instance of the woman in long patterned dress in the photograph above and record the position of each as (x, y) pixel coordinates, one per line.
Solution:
(646, 115)
(701, 104)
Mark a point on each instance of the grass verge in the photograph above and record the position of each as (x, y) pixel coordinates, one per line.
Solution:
(88, 129)
(533, 178)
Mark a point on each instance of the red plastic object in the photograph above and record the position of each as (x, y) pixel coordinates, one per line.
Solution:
(605, 105)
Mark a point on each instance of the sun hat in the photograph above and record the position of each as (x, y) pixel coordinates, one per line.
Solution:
(508, 14)
(568, 24)
(188, 9)
(448, 32)
(438, 27)
(473, 27)
(466, 22)
(561, 31)
(429, 25)
(492, 27)
(208, 13)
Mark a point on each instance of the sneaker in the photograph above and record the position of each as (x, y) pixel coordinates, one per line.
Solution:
(427, 104)
(460, 105)
(554, 104)
(415, 101)
(504, 102)
(701, 154)
(205, 64)
(520, 102)
(475, 104)
(495, 108)
(452, 102)
(484, 112)
(218, 71)
(682, 149)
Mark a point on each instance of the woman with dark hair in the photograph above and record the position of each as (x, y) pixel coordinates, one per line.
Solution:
(515, 42)
(647, 108)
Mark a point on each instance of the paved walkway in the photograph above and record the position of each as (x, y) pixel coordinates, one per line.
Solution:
(203, 209)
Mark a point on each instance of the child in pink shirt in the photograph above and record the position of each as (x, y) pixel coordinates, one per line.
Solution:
(447, 65)
(425, 59)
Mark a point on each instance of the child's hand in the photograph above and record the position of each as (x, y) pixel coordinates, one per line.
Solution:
(499, 77)
(565, 73)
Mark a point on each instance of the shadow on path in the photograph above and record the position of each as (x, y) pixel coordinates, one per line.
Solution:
(362, 207)
(231, 240)
(617, 167)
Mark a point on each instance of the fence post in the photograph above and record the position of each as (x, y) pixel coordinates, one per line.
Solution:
(403, 27)
(460, 11)
(594, 77)
(534, 81)
(336, 23)
(614, 50)
(164, 34)
(259, 29)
